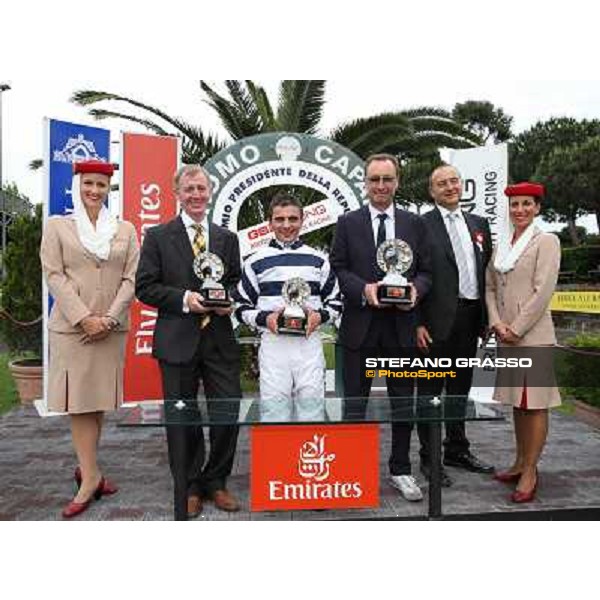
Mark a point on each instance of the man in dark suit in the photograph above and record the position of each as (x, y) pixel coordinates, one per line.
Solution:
(192, 341)
(453, 315)
(367, 326)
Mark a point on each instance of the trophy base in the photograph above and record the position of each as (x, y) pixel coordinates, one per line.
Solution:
(291, 325)
(393, 294)
(215, 298)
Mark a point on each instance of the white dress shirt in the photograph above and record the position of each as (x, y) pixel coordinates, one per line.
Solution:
(468, 282)
(390, 229)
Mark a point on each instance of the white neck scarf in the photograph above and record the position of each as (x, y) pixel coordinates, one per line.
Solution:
(96, 240)
(508, 254)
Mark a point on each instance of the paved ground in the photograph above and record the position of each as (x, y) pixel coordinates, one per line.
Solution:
(36, 465)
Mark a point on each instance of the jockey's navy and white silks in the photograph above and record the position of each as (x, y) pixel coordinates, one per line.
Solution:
(266, 271)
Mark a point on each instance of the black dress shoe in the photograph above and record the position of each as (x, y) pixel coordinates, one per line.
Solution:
(445, 478)
(467, 461)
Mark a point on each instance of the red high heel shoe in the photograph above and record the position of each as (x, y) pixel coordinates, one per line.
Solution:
(76, 508)
(506, 477)
(519, 497)
(108, 487)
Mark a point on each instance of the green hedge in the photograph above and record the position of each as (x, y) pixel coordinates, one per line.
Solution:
(580, 259)
(21, 291)
(579, 373)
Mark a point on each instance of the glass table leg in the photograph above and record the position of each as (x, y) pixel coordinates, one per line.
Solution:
(435, 483)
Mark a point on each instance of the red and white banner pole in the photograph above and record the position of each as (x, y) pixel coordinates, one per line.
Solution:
(148, 163)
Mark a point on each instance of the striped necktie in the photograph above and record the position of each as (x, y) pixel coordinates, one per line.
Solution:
(466, 286)
(199, 246)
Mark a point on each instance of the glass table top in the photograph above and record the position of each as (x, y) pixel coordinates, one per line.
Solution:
(351, 411)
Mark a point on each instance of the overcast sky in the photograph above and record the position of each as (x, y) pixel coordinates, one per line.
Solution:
(29, 101)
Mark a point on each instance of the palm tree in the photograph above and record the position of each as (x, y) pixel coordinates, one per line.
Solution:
(246, 110)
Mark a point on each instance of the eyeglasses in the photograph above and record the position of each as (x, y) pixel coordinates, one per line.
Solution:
(386, 179)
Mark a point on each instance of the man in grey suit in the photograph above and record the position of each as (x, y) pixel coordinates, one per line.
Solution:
(453, 315)
(192, 341)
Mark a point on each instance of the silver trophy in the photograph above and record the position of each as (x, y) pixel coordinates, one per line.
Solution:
(293, 320)
(209, 268)
(394, 258)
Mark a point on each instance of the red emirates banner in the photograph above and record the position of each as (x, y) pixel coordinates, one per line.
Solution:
(296, 467)
(148, 163)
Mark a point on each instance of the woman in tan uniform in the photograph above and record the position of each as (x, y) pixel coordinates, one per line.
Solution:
(89, 261)
(521, 279)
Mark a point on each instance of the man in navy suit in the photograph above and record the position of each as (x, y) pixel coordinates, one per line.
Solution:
(367, 326)
(453, 315)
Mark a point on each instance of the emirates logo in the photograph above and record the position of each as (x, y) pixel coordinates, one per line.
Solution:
(315, 466)
(314, 462)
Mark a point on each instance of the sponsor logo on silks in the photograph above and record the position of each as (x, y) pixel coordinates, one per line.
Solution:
(77, 149)
(314, 461)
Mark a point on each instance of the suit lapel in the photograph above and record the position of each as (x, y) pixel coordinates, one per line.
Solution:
(181, 241)
(441, 233)
(397, 224)
(472, 227)
(215, 241)
(367, 227)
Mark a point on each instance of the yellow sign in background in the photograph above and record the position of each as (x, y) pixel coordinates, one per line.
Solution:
(587, 302)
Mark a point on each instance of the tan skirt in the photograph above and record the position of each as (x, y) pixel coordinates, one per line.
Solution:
(85, 378)
(513, 387)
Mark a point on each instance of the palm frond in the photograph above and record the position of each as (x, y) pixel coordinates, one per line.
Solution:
(301, 105)
(440, 139)
(99, 114)
(244, 101)
(198, 147)
(373, 134)
(234, 119)
(263, 106)
(87, 97)
(431, 111)
(195, 140)
(445, 126)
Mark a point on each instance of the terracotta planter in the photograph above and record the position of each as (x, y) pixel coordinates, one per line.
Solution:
(28, 376)
(587, 413)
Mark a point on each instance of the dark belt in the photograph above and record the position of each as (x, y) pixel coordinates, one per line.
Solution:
(467, 302)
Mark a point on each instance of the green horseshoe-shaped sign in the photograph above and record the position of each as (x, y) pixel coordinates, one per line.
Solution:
(275, 159)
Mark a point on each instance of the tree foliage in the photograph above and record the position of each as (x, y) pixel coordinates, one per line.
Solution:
(545, 152)
(530, 147)
(414, 183)
(484, 120)
(571, 175)
(21, 291)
